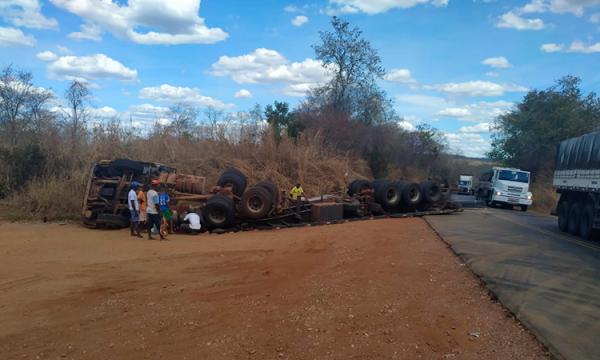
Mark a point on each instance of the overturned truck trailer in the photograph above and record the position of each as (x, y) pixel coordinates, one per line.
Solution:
(232, 204)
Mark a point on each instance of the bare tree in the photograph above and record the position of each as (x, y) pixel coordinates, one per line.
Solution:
(213, 116)
(77, 96)
(20, 103)
(183, 120)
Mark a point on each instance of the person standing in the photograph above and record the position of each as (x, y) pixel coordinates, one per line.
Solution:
(134, 209)
(141, 195)
(165, 209)
(152, 210)
(296, 194)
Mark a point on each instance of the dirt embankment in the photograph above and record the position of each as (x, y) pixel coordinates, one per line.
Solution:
(385, 289)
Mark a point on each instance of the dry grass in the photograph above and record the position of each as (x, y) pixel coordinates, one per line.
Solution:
(310, 161)
(545, 197)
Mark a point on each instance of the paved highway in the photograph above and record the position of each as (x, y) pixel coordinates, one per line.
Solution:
(548, 279)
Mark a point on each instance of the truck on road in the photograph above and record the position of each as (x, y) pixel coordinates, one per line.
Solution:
(577, 180)
(505, 187)
(465, 184)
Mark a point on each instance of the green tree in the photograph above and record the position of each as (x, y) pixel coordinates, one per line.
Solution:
(278, 116)
(527, 136)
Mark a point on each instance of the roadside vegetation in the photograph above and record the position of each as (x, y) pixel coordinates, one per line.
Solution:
(343, 130)
(527, 136)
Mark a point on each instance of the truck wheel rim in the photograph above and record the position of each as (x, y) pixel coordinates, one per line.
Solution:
(217, 216)
(391, 196)
(255, 204)
(414, 195)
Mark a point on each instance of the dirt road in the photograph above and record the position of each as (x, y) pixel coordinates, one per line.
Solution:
(383, 289)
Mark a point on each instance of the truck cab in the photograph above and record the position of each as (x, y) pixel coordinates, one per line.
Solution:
(506, 187)
(465, 184)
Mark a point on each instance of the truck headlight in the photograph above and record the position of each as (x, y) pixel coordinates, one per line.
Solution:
(498, 193)
(529, 196)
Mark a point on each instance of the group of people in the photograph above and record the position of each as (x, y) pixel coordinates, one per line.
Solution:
(150, 207)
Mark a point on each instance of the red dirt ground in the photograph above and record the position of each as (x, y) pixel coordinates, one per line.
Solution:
(382, 289)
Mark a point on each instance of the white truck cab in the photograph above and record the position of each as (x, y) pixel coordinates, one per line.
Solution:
(506, 187)
(465, 184)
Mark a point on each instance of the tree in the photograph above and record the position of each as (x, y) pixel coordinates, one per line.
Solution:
(20, 103)
(355, 68)
(278, 117)
(213, 116)
(527, 136)
(183, 120)
(77, 95)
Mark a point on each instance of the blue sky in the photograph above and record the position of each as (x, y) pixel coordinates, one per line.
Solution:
(453, 64)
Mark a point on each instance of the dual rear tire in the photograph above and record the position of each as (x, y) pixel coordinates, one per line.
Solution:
(576, 218)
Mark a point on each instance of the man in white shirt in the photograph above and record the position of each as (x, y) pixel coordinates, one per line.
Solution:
(191, 223)
(134, 209)
(152, 210)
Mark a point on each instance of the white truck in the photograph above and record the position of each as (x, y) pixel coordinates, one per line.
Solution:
(577, 180)
(465, 184)
(506, 187)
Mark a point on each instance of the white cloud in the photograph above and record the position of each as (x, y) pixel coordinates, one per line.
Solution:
(46, 56)
(145, 114)
(455, 112)
(264, 66)
(511, 20)
(480, 128)
(170, 94)
(492, 74)
(63, 50)
(468, 144)
(376, 6)
(575, 47)
(26, 13)
(498, 62)
(595, 18)
(579, 47)
(477, 88)
(407, 125)
(550, 48)
(167, 22)
(87, 68)
(299, 20)
(291, 9)
(88, 32)
(105, 112)
(243, 94)
(14, 37)
(402, 76)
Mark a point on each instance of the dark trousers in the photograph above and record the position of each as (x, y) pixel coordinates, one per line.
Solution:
(153, 219)
(185, 228)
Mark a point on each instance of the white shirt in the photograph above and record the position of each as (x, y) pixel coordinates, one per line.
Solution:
(132, 196)
(194, 220)
(152, 201)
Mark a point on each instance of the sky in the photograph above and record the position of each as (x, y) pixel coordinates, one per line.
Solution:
(455, 65)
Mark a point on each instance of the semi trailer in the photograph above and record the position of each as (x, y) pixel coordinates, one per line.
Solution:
(231, 203)
(577, 180)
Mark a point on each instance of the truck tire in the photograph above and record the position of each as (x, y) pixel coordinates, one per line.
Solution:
(586, 222)
(411, 193)
(387, 194)
(523, 207)
(563, 216)
(219, 212)
(357, 186)
(351, 207)
(256, 203)
(431, 191)
(234, 178)
(273, 189)
(574, 217)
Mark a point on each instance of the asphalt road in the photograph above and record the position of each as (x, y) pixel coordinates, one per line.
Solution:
(548, 279)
